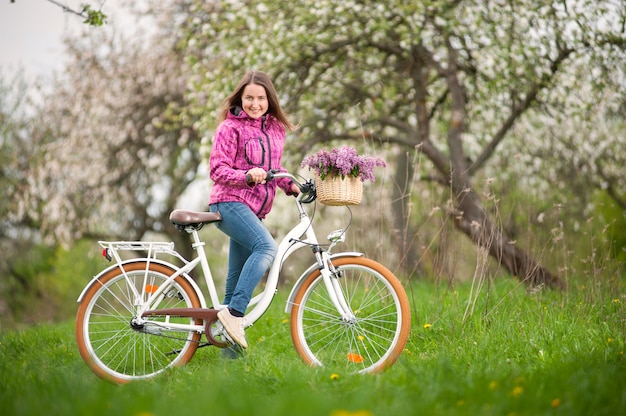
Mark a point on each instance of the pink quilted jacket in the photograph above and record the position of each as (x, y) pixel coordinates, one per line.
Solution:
(240, 144)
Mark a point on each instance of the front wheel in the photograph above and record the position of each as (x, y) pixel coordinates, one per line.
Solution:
(367, 344)
(109, 339)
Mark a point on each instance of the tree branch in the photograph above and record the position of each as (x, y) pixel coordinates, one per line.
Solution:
(92, 17)
(519, 109)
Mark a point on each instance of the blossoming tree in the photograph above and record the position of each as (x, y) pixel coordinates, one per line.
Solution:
(447, 79)
(469, 85)
(108, 155)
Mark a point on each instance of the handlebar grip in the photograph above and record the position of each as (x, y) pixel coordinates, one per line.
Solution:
(268, 177)
(270, 174)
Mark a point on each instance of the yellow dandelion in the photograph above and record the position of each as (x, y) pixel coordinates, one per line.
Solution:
(517, 391)
(285, 321)
(615, 300)
(334, 376)
(493, 385)
(342, 412)
(555, 403)
(360, 338)
(609, 340)
(426, 326)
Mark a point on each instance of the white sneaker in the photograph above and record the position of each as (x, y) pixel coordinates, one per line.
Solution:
(234, 326)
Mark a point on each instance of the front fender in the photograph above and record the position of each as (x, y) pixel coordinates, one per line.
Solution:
(150, 260)
(310, 270)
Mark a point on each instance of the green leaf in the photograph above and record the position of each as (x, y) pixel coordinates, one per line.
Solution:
(94, 17)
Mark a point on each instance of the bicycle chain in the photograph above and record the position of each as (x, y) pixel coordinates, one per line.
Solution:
(199, 342)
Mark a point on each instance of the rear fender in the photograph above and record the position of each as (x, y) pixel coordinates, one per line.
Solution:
(186, 276)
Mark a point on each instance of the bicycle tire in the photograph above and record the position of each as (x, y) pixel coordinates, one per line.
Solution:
(111, 347)
(376, 338)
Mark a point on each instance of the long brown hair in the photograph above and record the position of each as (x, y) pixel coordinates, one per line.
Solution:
(262, 79)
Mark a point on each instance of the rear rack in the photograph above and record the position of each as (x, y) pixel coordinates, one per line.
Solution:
(151, 248)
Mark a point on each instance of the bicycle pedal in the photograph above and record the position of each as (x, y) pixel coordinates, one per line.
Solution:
(227, 337)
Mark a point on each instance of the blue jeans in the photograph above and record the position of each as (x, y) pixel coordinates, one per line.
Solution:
(252, 251)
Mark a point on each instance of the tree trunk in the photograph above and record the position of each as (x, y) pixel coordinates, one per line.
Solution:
(467, 211)
(471, 219)
(404, 234)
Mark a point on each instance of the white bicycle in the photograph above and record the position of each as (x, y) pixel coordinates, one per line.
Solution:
(141, 316)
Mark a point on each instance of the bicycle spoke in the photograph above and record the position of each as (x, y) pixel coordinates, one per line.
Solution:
(372, 339)
(117, 350)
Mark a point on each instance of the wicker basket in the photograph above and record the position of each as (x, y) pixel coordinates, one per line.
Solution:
(336, 191)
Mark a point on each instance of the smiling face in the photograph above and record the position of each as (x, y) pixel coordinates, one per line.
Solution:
(254, 100)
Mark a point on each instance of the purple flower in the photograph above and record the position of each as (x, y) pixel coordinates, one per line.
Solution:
(343, 162)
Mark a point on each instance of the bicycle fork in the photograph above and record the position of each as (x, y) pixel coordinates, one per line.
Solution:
(331, 278)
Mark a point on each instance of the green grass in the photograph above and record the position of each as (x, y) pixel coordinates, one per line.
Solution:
(517, 354)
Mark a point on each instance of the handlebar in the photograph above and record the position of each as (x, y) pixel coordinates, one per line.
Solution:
(307, 189)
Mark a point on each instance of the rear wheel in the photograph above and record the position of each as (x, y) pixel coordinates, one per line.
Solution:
(369, 343)
(118, 348)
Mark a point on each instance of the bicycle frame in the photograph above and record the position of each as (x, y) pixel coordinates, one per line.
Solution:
(260, 303)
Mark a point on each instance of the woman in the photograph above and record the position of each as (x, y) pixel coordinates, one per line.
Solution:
(248, 142)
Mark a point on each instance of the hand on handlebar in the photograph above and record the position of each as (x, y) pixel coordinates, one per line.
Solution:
(256, 176)
(295, 189)
(304, 191)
